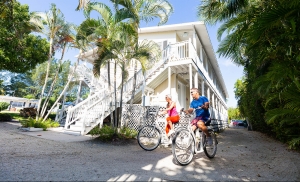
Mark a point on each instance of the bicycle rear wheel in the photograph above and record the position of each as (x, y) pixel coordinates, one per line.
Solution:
(210, 150)
(183, 147)
(149, 138)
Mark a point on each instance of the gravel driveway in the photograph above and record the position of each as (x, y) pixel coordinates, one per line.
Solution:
(242, 156)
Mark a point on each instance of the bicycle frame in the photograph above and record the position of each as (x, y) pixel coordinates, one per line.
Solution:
(186, 144)
(197, 141)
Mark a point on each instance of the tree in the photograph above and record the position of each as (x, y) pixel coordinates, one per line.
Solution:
(143, 10)
(1, 88)
(20, 51)
(234, 113)
(266, 43)
(119, 38)
(105, 32)
(3, 105)
(56, 30)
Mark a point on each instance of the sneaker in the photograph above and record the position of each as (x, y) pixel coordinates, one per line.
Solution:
(170, 141)
(209, 141)
(170, 133)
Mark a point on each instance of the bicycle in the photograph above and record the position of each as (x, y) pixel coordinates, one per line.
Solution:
(186, 143)
(150, 136)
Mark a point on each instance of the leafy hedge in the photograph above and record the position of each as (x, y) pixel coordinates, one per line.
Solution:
(3, 106)
(5, 117)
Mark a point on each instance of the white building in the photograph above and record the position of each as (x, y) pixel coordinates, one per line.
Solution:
(188, 61)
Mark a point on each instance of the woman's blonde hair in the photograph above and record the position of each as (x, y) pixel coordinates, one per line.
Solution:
(169, 96)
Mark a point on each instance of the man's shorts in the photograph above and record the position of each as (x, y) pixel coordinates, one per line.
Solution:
(206, 120)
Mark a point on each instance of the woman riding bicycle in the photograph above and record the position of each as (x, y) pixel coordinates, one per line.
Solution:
(173, 115)
(201, 105)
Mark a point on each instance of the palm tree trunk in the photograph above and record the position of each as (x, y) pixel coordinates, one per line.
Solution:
(115, 91)
(133, 87)
(44, 108)
(121, 94)
(65, 88)
(46, 79)
(110, 96)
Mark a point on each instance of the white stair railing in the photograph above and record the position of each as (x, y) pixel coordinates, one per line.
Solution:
(87, 75)
(128, 86)
(94, 109)
(78, 111)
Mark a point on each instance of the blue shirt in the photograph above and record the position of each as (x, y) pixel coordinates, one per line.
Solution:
(198, 103)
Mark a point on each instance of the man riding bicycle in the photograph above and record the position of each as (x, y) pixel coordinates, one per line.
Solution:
(201, 105)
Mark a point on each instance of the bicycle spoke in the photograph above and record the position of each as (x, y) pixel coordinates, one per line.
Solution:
(149, 138)
(183, 147)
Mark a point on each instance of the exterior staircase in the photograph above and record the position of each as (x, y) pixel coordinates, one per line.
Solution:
(85, 74)
(89, 113)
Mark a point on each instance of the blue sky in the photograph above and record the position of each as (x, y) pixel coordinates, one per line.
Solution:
(184, 11)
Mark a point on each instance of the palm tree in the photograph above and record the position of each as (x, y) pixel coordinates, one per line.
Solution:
(106, 31)
(143, 10)
(54, 21)
(79, 41)
(146, 53)
(82, 4)
(65, 36)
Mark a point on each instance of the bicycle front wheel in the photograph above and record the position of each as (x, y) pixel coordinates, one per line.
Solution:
(183, 147)
(211, 150)
(149, 138)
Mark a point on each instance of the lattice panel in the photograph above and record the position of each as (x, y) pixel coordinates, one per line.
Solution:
(138, 118)
(141, 116)
(144, 116)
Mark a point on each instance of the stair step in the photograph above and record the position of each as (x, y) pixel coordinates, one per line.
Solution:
(72, 132)
(76, 127)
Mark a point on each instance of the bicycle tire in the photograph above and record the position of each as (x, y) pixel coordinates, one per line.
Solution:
(211, 150)
(183, 147)
(149, 138)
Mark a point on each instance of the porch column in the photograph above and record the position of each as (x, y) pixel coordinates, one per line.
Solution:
(196, 80)
(78, 92)
(194, 39)
(191, 79)
(190, 48)
(213, 100)
(169, 80)
(202, 88)
(206, 66)
(208, 93)
(201, 53)
(213, 105)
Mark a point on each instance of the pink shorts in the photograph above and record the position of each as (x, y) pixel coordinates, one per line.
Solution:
(199, 118)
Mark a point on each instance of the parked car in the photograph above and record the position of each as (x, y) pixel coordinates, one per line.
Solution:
(240, 123)
(234, 122)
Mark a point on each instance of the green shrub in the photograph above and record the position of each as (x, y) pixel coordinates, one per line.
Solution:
(5, 117)
(39, 123)
(127, 133)
(3, 105)
(106, 133)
